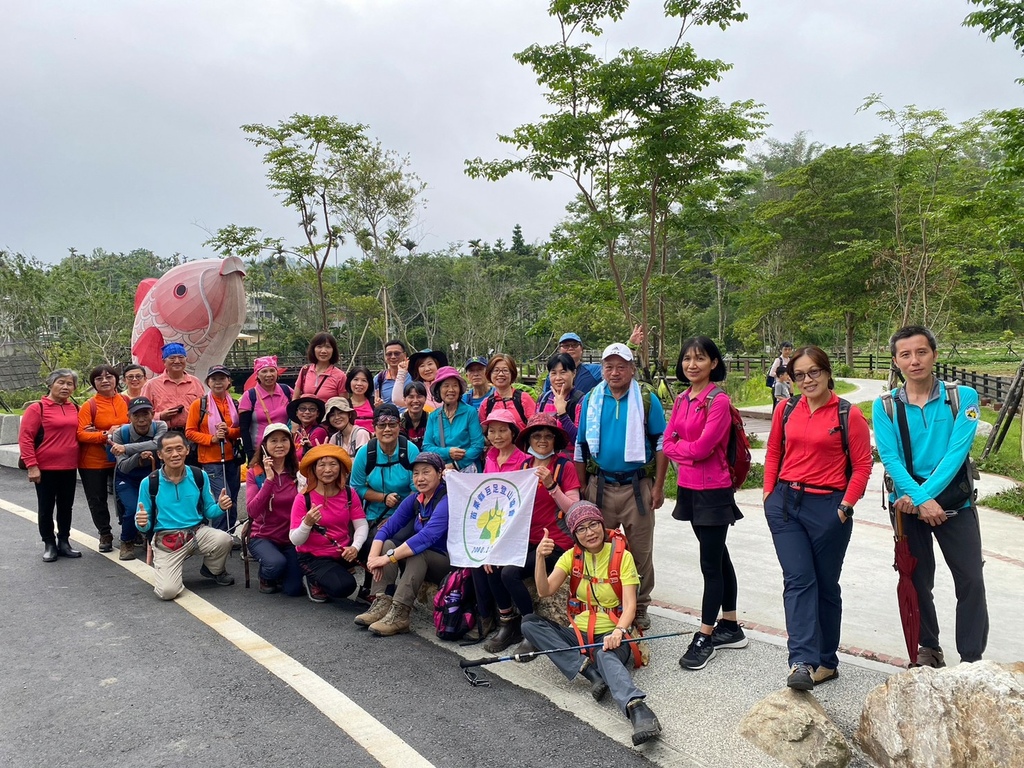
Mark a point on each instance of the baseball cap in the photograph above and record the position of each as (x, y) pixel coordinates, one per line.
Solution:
(479, 360)
(570, 337)
(617, 349)
(139, 404)
(217, 370)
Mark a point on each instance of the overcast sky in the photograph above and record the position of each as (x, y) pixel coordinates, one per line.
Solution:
(120, 118)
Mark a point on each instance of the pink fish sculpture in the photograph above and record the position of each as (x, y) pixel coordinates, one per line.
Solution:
(200, 304)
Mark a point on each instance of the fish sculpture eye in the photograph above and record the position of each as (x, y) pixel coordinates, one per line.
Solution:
(180, 290)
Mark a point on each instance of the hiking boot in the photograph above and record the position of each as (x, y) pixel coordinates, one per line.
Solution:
(508, 633)
(723, 637)
(395, 623)
(522, 649)
(64, 548)
(127, 551)
(700, 652)
(800, 678)
(268, 587)
(823, 675)
(140, 540)
(377, 611)
(641, 620)
(314, 591)
(487, 624)
(236, 543)
(598, 687)
(645, 723)
(223, 579)
(106, 542)
(50, 552)
(930, 657)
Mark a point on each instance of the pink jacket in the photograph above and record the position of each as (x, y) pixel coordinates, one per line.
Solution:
(697, 440)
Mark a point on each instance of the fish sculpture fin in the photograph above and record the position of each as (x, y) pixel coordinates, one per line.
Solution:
(147, 350)
(145, 286)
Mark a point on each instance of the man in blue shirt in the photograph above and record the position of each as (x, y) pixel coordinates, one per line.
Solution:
(938, 423)
(384, 382)
(620, 463)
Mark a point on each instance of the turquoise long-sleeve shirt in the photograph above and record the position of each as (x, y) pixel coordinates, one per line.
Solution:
(462, 431)
(178, 504)
(939, 443)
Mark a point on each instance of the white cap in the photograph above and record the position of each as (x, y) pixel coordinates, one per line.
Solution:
(621, 350)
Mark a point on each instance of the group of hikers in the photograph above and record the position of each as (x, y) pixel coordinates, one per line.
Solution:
(346, 493)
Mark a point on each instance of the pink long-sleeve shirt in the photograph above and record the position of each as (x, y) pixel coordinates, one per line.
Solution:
(697, 438)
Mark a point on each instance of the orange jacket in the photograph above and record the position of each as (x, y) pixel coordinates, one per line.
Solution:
(92, 432)
(198, 431)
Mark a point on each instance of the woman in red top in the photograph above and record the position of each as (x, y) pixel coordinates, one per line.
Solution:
(321, 377)
(306, 413)
(98, 417)
(328, 524)
(502, 372)
(810, 487)
(213, 425)
(48, 440)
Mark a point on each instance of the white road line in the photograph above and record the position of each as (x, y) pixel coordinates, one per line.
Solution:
(386, 747)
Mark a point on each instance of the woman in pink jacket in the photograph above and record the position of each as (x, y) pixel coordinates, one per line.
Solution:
(696, 439)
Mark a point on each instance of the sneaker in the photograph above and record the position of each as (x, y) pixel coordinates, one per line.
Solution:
(930, 657)
(823, 675)
(223, 579)
(700, 652)
(722, 637)
(314, 591)
(106, 542)
(641, 620)
(800, 677)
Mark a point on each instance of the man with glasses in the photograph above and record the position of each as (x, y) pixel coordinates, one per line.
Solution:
(395, 353)
(620, 462)
(382, 470)
(924, 431)
(174, 390)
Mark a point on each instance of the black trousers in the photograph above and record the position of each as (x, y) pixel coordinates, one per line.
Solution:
(959, 539)
(56, 488)
(95, 483)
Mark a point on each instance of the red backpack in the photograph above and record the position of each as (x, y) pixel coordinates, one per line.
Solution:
(576, 606)
(737, 452)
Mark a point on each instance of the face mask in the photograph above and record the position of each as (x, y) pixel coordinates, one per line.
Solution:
(540, 456)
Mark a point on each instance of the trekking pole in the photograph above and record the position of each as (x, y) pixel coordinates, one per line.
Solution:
(224, 478)
(476, 682)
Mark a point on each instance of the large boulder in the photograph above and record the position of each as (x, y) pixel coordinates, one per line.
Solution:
(793, 728)
(967, 715)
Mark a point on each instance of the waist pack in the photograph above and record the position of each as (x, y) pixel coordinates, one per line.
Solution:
(455, 605)
(172, 541)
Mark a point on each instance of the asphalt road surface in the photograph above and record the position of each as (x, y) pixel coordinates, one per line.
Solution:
(98, 672)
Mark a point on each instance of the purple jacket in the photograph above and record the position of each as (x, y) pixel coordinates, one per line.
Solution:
(697, 440)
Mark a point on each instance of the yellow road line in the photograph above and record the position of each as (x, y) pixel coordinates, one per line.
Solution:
(386, 747)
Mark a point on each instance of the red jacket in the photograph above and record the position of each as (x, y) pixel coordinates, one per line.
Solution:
(814, 449)
(59, 449)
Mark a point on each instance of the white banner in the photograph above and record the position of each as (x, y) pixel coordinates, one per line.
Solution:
(489, 517)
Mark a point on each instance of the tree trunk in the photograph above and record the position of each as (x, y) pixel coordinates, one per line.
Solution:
(850, 328)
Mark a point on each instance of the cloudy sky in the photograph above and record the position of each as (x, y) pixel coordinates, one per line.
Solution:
(120, 118)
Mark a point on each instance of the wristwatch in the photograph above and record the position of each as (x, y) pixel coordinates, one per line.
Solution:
(390, 554)
(846, 509)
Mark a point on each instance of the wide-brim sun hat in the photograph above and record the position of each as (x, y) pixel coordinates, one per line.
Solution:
(317, 452)
(417, 357)
(543, 421)
(293, 407)
(443, 374)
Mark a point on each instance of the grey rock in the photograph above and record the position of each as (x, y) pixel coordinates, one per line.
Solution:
(793, 728)
(967, 715)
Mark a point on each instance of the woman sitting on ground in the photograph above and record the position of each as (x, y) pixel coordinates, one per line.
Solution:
(359, 387)
(605, 616)
(559, 489)
(270, 490)
(424, 553)
(323, 519)
(414, 420)
(306, 413)
(341, 427)
(453, 430)
(502, 372)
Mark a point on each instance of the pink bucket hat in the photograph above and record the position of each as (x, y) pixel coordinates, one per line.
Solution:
(443, 374)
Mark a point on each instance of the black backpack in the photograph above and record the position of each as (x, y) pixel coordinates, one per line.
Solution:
(154, 486)
(843, 429)
(403, 454)
(517, 401)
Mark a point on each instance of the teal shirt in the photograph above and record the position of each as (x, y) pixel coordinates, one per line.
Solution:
(178, 504)
(613, 432)
(940, 443)
(389, 476)
(463, 431)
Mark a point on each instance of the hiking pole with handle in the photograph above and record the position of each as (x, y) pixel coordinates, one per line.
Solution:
(476, 682)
